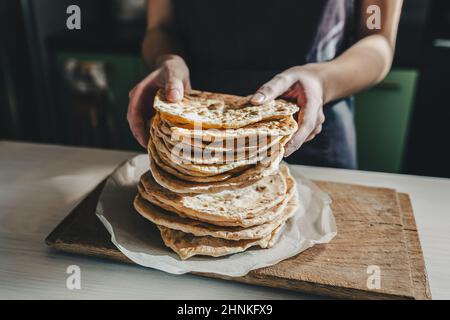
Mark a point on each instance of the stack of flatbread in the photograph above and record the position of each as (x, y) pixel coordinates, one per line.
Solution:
(215, 185)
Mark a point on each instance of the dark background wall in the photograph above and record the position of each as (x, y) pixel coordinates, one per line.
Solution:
(37, 102)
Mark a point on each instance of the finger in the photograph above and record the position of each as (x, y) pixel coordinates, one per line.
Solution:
(293, 92)
(310, 137)
(135, 117)
(318, 129)
(187, 84)
(321, 117)
(314, 134)
(174, 89)
(273, 89)
(139, 130)
(307, 124)
(137, 108)
(130, 94)
(173, 75)
(137, 94)
(298, 139)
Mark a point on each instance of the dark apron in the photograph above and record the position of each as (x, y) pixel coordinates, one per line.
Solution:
(235, 46)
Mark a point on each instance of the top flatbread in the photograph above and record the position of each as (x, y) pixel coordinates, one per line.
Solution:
(214, 110)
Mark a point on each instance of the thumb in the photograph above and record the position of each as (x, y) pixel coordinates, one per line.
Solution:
(273, 89)
(174, 89)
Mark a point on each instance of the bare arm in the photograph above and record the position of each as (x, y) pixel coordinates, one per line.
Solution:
(161, 53)
(369, 60)
(159, 40)
(364, 64)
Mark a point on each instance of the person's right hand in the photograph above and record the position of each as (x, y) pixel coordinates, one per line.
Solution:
(172, 75)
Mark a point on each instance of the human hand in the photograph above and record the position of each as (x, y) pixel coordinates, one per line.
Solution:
(172, 75)
(303, 85)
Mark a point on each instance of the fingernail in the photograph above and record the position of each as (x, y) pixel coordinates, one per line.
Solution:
(258, 97)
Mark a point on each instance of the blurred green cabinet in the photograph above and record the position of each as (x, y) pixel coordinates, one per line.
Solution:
(382, 121)
(123, 72)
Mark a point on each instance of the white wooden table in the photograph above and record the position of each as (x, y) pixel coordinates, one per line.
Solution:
(40, 184)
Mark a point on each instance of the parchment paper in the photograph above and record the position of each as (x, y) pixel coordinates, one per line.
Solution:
(139, 239)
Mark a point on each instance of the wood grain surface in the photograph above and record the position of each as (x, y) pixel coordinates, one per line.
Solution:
(376, 227)
(419, 276)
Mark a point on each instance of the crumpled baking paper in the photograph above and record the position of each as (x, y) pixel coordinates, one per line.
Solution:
(139, 239)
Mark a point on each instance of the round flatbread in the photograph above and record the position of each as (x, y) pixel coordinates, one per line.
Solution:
(173, 221)
(187, 245)
(180, 153)
(258, 219)
(188, 175)
(228, 205)
(206, 170)
(219, 172)
(217, 152)
(214, 110)
(247, 177)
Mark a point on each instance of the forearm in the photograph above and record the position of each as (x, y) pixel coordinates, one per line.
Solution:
(363, 65)
(158, 44)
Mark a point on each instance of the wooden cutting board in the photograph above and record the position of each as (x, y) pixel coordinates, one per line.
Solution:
(376, 229)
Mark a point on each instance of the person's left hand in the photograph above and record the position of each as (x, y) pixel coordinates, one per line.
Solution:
(303, 85)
